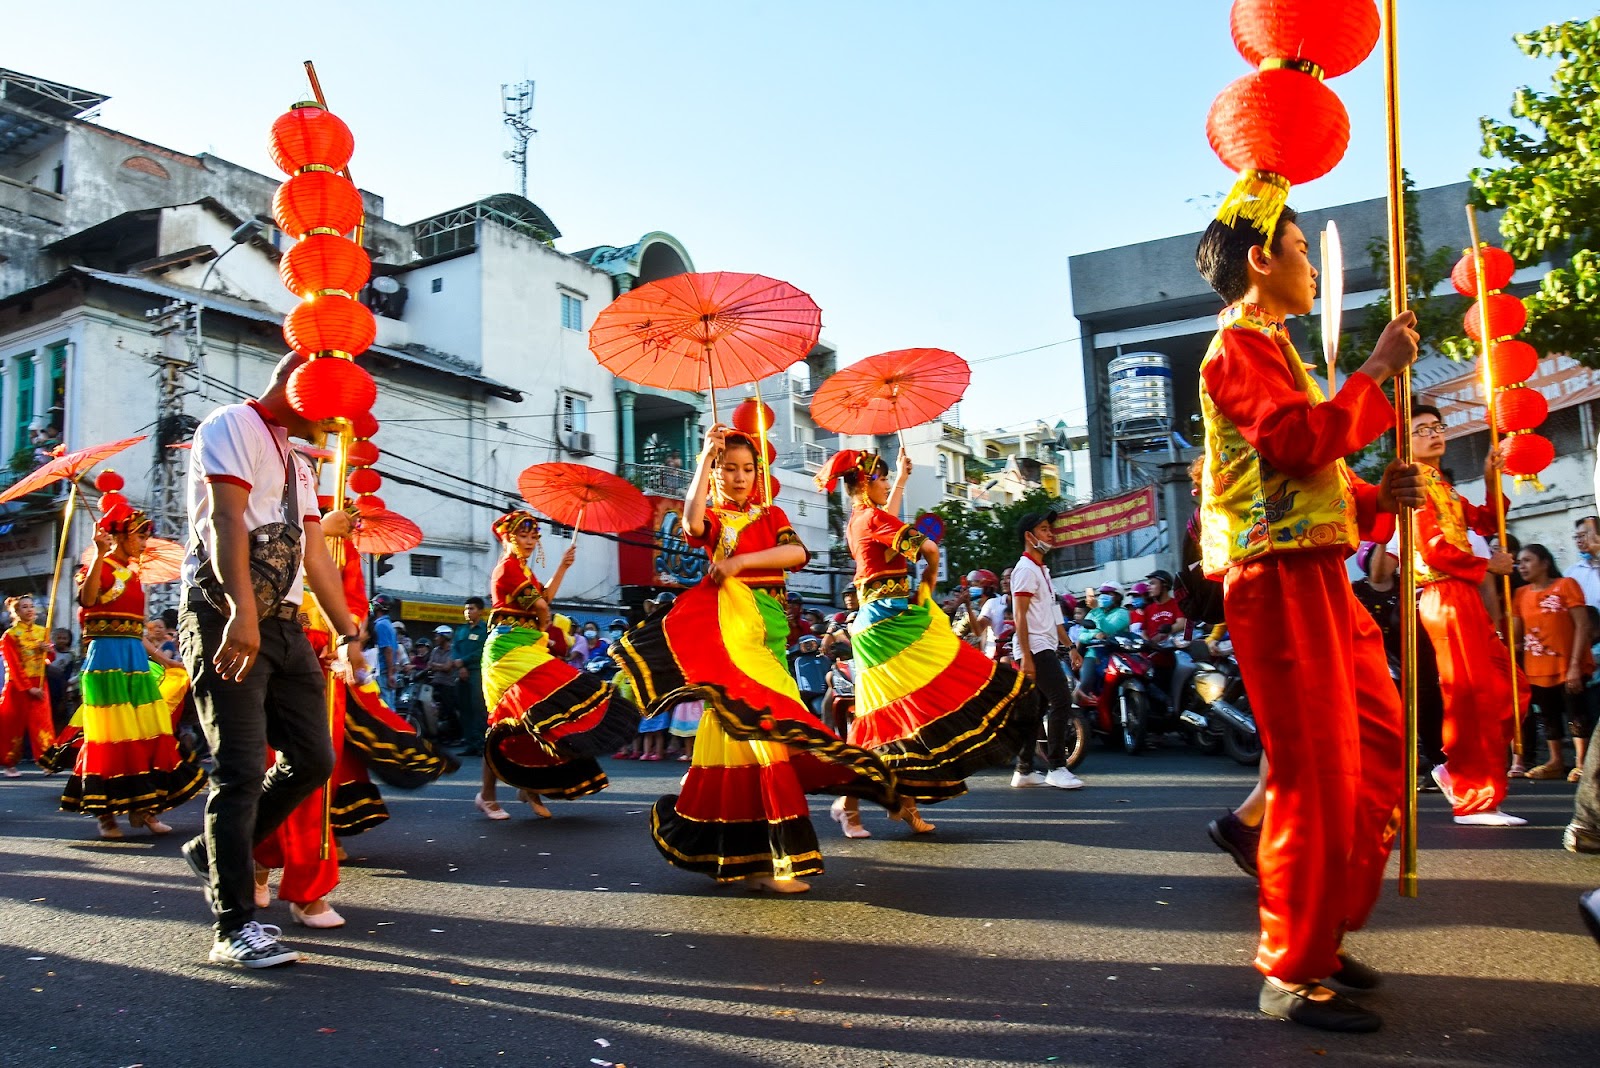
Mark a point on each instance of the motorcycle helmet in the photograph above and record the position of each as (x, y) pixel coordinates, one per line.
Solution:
(1142, 589)
(619, 623)
(983, 577)
(838, 617)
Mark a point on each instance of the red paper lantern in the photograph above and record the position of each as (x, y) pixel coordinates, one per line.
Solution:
(316, 200)
(1519, 408)
(759, 493)
(1527, 454)
(745, 415)
(363, 425)
(1498, 267)
(112, 501)
(1507, 316)
(1336, 35)
(108, 481)
(367, 504)
(362, 453)
(1279, 122)
(331, 388)
(330, 323)
(308, 135)
(364, 480)
(1511, 362)
(319, 262)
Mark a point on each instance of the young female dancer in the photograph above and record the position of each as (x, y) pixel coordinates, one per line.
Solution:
(547, 720)
(934, 708)
(24, 705)
(742, 813)
(129, 761)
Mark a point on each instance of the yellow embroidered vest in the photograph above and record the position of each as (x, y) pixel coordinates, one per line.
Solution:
(1451, 517)
(1248, 509)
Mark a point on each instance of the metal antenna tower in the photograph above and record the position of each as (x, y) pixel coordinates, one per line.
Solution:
(178, 327)
(516, 101)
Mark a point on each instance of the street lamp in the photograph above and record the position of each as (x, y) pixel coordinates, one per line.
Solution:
(241, 233)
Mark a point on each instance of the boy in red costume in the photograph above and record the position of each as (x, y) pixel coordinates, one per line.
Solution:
(1474, 675)
(1280, 512)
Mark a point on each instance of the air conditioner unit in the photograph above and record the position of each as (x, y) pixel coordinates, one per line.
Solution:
(578, 442)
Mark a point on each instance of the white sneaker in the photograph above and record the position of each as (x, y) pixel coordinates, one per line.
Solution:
(1441, 778)
(1028, 778)
(1490, 819)
(1063, 779)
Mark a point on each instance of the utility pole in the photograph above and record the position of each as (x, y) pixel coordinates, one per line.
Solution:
(516, 101)
(178, 327)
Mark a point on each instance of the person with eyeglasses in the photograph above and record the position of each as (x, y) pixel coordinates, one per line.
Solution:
(1472, 661)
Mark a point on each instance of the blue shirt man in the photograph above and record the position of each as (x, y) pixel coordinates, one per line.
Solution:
(388, 649)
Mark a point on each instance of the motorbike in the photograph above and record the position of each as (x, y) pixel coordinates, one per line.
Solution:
(1216, 710)
(841, 703)
(1127, 705)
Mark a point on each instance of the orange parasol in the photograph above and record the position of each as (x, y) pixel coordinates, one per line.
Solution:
(572, 494)
(384, 531)
(705, 331)
(161, 561)
(67, 465)
(891, 391)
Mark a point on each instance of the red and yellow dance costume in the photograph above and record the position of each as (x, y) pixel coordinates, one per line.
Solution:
(25, 702)
(1474, 668)
(127, 759)
(547, 720)
(935, 709)
(758, 750)
(1280, 512)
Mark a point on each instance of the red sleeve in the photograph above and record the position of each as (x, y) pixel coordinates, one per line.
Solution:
(1440, 555)
(784, 534)
(1482, 517)
(707, 540)
(1250, 383)
(507, 580)
(355, 589)
(13, 658)
(1371, 524)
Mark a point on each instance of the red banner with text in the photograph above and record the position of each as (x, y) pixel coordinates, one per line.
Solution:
(1106, 519)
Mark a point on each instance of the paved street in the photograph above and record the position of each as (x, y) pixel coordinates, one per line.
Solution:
(1037, 927)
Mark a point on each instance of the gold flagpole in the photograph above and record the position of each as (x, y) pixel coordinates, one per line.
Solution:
(1402, 434)
(1487, 348)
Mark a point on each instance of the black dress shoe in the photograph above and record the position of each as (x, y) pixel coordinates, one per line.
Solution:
(1355, 975)
(1337, 1013)
(1239, 841)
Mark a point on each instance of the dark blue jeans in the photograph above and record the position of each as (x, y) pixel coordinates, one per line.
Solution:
(282, 705)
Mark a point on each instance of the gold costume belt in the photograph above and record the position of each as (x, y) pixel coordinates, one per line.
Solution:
(111, 627)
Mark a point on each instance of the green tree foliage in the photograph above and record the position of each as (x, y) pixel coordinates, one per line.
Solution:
(1549, 187)
(987, 537)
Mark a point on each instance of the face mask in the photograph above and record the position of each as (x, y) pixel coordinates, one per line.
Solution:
(1104, 600)
(591, 634)
(1585, 555)
(1138, 602)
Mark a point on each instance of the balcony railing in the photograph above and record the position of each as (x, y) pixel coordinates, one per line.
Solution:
(659, 479)
(806, 457)
(954, 434)
(959, 490)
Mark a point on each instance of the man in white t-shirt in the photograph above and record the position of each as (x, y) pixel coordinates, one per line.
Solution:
(1037, 647)
(257, 683)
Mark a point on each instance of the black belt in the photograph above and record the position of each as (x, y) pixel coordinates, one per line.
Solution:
(284, 611)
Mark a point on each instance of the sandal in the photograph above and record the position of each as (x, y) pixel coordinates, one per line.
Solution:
(1575, 775)
(1518, 770)
(1548, 771)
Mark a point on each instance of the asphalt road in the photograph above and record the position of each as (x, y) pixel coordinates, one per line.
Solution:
(1036, 927)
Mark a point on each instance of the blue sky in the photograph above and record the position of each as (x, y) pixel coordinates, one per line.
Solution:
(923, 169)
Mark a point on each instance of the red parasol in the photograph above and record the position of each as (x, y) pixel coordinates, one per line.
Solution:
(385, 532)
(891, 391)
(584, 498)
(161, 561)
(705, 331)
(68, 465)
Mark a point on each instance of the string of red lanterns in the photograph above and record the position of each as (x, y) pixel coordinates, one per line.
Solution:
(1281, 125)
(1517, 410)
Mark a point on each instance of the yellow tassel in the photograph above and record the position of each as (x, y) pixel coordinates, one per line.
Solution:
(1517, 483)
(1259, 197)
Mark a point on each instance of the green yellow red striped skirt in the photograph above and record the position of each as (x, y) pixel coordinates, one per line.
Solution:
(124, 756)
(758, 752)
(547, 720)
(933, 707)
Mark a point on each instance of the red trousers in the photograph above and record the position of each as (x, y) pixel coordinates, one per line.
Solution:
(1475, 679)
(1330, 721)
(23, 715)
(296, 846)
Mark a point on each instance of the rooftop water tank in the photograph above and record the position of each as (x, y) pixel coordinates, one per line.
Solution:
(1141, 394)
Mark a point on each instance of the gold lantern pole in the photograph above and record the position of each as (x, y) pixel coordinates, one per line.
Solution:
(1487, 347)
(1402, 396)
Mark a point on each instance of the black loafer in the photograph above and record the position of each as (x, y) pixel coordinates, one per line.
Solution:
(1355, 975)
(1337, 1013)
(1238, 841)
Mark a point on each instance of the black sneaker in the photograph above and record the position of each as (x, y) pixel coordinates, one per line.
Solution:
(1239, 841)
(1337, 1013)
(254, 945)
(199, 861)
